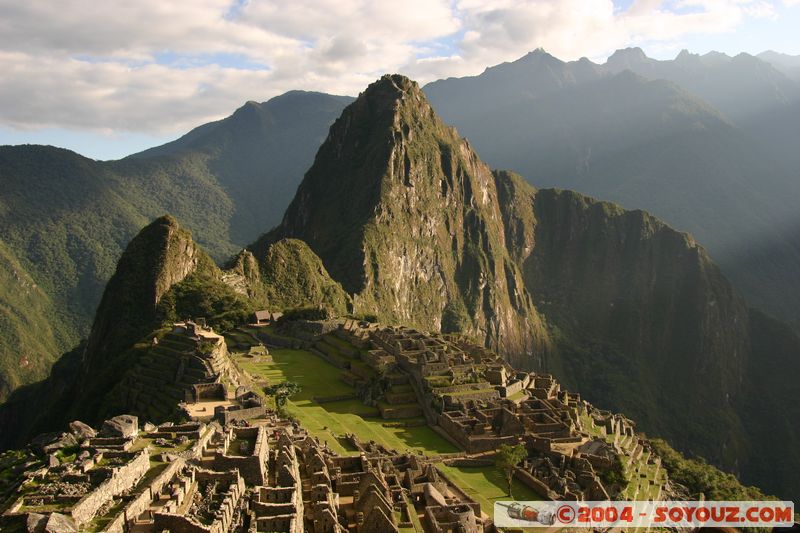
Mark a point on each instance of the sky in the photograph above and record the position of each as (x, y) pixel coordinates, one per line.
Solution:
(111, 78)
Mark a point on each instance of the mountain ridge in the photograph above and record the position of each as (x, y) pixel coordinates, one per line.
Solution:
(642, 141)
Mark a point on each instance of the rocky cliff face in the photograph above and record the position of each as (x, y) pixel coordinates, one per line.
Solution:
(645, 320)
(405, 215)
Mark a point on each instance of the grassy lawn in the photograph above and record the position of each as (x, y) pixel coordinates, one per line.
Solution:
(486, 484)
(517, 396)
(316, 376)
(328, 421)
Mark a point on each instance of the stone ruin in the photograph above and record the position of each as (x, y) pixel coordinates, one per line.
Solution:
(188, 364)
(480, 402)
(263, 473)
(83, 480)
(197, 478)
(201, 501)
(313, 489)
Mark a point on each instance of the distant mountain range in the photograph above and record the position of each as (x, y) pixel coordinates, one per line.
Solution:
(788, 64)
(707, 143)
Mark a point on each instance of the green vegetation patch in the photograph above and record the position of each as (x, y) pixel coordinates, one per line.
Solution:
(702, 478)
(485, 485)
(203, 294)
(330, 421)
(294, 276)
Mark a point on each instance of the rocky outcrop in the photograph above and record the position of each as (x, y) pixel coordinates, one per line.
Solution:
(293, 276)
(161, 255)
(646, 321)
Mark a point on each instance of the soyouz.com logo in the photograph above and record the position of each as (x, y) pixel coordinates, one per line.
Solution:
(672, 514)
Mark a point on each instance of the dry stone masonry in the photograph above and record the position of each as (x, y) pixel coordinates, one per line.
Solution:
(239, 467)
(479, 402)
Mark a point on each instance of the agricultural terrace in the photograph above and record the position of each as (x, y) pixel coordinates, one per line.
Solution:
(331, 420)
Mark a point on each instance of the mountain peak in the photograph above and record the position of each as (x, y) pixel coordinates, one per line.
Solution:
(387, 110)
(396, 82)
(160, 255)
(386, 93)
(537, 57)
(539, 52)
(164, 220)
(248, 109)
(686, 55)
(627, 56)
(714, 58)
(362, 158)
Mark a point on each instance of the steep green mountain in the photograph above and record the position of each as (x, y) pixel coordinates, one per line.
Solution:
(404, 214)
(648, 143)
(160, 256)
(66, 219)
(630, 312)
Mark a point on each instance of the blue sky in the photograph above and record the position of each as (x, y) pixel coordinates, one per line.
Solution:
(112, 78)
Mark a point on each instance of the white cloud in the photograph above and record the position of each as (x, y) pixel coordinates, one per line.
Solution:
(159, 67)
